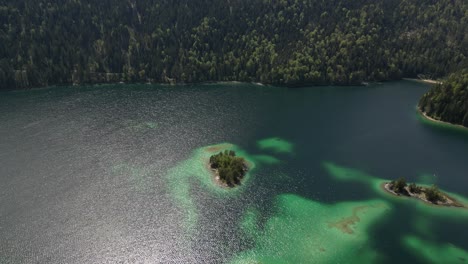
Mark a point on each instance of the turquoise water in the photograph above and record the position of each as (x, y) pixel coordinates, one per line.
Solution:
(116, 173)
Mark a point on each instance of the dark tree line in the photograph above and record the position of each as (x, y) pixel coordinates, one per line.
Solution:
(448, 101)
(288, 42)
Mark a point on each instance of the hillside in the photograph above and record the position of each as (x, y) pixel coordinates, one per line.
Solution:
(280, 42)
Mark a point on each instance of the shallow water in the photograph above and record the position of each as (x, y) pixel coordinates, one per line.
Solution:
(112, 174)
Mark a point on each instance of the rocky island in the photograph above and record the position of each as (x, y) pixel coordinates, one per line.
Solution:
(228, 168)
(430, 195)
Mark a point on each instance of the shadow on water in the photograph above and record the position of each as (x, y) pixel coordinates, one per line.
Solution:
(443, 129)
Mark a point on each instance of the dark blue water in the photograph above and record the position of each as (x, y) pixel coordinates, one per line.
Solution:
(83, 169)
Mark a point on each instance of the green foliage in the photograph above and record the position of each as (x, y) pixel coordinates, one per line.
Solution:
(230, 168)
(433, 194)
(399, 185)
(279, 42)
(448, 101)
(413, 188)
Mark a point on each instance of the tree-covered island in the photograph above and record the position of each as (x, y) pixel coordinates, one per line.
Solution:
(427, 194)
(229, 168)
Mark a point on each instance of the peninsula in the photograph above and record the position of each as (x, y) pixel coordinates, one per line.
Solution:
(229, 169)
(447, 102)
(430, 195)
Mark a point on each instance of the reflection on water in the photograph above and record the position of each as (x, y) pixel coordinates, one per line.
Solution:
(115, 173)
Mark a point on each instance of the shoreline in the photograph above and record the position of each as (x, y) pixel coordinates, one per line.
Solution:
(428, 81)
(450, 203)
(271, 84)
(256, 83)
(424, 115)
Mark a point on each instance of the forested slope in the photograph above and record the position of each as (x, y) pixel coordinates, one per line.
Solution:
(291, 42)
(448, 101)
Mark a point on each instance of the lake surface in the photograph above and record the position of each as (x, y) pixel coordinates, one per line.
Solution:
(108, 174)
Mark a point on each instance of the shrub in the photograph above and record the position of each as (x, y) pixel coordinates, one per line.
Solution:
(399, 185)
(433, 194)
(414, 188)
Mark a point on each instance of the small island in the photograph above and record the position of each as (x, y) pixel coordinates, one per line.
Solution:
(229, 169)
(430, 195)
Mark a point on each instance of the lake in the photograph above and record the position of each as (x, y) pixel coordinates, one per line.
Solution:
(115, 173)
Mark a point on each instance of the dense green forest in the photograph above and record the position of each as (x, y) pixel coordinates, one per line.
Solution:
(448, 101)
(286, 42)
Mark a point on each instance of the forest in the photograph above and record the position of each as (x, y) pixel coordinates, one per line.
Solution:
(448, 101)
(280, 42)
